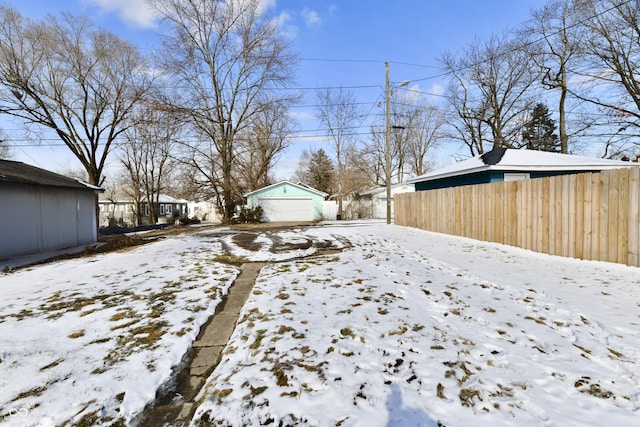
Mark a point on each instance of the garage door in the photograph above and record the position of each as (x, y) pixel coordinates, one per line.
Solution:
(286, 209)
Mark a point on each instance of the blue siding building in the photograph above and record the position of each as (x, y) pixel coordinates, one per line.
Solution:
(503, 164)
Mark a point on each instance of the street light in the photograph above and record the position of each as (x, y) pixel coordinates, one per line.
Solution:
(387, 153)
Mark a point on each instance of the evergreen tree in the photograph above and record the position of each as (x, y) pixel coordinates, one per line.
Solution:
(321, 172)
(539, 133)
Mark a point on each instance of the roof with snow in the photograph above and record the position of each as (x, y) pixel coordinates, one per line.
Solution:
(383, 189)
(506, 159)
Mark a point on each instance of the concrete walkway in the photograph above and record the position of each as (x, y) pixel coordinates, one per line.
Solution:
(176, 407)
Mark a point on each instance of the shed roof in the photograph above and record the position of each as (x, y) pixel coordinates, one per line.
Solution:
(507, 159)
(18, 172)
(285, 182)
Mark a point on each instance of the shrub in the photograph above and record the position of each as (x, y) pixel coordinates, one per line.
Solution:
(248, 214)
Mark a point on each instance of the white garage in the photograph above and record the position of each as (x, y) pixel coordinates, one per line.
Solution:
(286, 209)
(286, 201)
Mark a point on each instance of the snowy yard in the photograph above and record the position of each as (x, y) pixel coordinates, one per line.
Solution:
(402, 327)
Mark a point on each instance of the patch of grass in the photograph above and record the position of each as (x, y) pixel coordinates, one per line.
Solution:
(230, 259)
(121, 315)
(539, 320)
(616, 353)
(36, 391)
(255, 391)
(586, 350)
(400, 331)
(467, 395)
(437, 347)
(259, 337)
(597, 391)
(284, 329)
(51, 365)
(282, 379)
(222, 393)
(440, 391)
(90, 419)
(347, 332)
(77, 334)
(125, 325)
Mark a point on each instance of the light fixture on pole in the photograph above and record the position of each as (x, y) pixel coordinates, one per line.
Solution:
(387, 153)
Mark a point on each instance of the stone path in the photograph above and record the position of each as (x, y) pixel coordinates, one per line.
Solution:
(176, 408)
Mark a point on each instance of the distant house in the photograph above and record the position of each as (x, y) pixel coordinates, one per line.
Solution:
(43, 211)
(504, 164)
(286, 201)
(205, 211)
(376, 199)
(117, 208)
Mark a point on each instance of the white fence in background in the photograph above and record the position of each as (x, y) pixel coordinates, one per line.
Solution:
(329, 210)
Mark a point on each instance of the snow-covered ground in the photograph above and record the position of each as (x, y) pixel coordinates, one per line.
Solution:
(410, 328)
(402, 327)
(89, 341)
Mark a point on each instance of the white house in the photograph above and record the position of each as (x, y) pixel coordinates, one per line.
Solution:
(376, 199)
(119, 208)
(43, 211)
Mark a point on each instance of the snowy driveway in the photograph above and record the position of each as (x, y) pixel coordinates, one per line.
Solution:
(403, 327)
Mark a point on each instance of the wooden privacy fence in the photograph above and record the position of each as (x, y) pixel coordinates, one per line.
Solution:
(593, 216)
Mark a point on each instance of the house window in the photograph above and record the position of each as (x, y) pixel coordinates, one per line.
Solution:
(145, 209)
(167, 210)
(161, 209)
(516, 176)
(101, 208)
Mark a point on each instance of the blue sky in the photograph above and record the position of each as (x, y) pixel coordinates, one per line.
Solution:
(340, 43)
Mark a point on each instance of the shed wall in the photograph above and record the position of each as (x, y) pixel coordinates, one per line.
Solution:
(38, 219)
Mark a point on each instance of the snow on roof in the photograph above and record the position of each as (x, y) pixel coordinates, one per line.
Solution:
(524, 160)
(382, 189)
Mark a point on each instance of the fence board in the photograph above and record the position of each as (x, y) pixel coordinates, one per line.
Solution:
(623, 216)
(634, 217)
(591, 216)
(579, 218)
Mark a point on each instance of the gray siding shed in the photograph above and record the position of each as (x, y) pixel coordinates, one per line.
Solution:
(43, 211)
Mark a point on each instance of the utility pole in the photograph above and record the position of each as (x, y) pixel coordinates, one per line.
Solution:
(387, 140)
(387, 137)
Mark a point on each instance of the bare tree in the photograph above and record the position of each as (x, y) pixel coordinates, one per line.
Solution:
(262, 143)
(225, 58)
(560, 35)
(338, 111)
(612, 82)
(490, 86)
(424, 131)
(5, 149)
(147, 155)
(467, 121)
(71, 78)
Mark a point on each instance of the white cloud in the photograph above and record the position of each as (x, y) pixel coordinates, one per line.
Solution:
(437, 89)
(311, 17)
(286, 29)
(133, 12)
